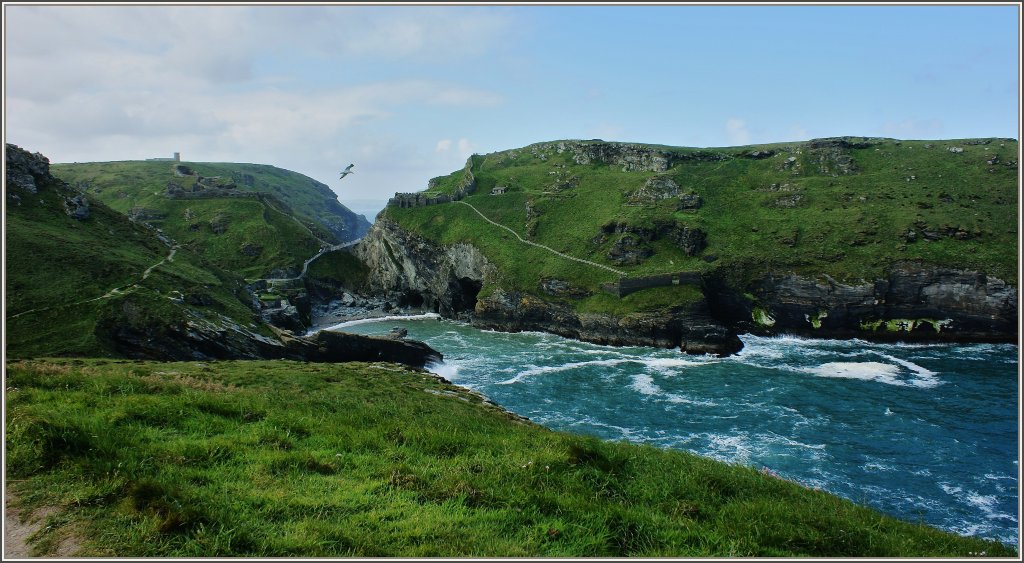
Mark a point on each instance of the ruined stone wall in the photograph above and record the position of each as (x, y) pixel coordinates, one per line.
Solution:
(625, 286)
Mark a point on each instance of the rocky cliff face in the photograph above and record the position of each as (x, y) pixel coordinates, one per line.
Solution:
(914, 302)
(412, 272)
(691, 329)
(134, 334)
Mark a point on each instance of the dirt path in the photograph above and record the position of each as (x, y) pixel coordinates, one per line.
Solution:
(109, 294)
(17, 531)
(548, 248)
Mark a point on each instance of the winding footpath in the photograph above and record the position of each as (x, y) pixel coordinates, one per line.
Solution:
(112, 293)
(541, 246)
(305, 265)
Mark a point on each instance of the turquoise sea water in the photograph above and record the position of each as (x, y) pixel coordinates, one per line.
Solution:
(923, 432)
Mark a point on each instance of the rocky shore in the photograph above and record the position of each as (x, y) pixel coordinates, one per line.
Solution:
(914, 302)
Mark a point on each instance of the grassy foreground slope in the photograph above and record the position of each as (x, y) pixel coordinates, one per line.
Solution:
(847, 208)
(67, 276)
(286, 458)
(269, 218)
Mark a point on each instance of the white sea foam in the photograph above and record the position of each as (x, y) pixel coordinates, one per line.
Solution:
(950, 489)
(673, 398)
(389, 318)
(875, 466)
(449, 371)
(868, 371)
(878, 371)
(644, 384)
(988, 504)
(538, 370)
(658, 364)
(925, 377)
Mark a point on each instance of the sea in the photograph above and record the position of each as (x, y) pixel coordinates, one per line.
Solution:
(924, 432)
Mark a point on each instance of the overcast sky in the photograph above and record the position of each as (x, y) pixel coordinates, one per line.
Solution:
(406, 93)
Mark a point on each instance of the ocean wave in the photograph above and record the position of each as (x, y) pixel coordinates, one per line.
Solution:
(658, 364)
(389, 318)
(877, 371)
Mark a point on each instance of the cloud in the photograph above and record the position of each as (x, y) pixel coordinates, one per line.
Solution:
(298, 87)
(737, 132)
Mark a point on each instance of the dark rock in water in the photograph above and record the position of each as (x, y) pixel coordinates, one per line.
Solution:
(398, 332)
(329, 346)
(689, 328)
(913, 301)
(134, 333)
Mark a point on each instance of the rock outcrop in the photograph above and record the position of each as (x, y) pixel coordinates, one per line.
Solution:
(131, 331)
(26, 171)
(412, 272)
(691, 328)
(914, 301)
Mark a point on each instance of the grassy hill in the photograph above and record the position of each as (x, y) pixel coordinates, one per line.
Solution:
(292, 459)
(248, 218)
(67, 277)
(846, 207)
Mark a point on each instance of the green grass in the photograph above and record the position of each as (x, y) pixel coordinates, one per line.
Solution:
(646, 300)
(57, 266)
(339, 269)
(848, 226)
(278, 226)
(286, 459)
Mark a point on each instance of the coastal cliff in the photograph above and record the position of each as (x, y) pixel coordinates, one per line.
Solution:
(844, 237)
(85, 280)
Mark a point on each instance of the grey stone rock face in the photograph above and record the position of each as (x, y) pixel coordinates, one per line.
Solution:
(26, 171)
(77, 207)
(689, 201)
(691, 329)
(286, 317)
(409, 271)
(940, 304)
(628, 250)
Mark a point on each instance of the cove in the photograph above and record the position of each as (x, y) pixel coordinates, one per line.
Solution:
(926, 433)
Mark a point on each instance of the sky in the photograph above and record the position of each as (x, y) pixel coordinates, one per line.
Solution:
(407, 93)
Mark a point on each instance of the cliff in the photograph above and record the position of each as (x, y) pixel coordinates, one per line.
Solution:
(84, 280)
(843, 237)
(411, 271)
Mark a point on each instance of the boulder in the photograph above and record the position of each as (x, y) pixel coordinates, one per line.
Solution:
(77, 207)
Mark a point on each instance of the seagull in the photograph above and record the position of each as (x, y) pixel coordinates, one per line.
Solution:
(347, 171)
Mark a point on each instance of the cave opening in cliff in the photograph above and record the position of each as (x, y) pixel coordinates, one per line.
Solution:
(411, 299)
(466, 298)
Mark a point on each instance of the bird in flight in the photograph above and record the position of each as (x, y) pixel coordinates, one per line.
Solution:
(347, 171)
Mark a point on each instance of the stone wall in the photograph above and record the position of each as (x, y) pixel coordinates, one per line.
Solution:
(422, 199)
(625, 286)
